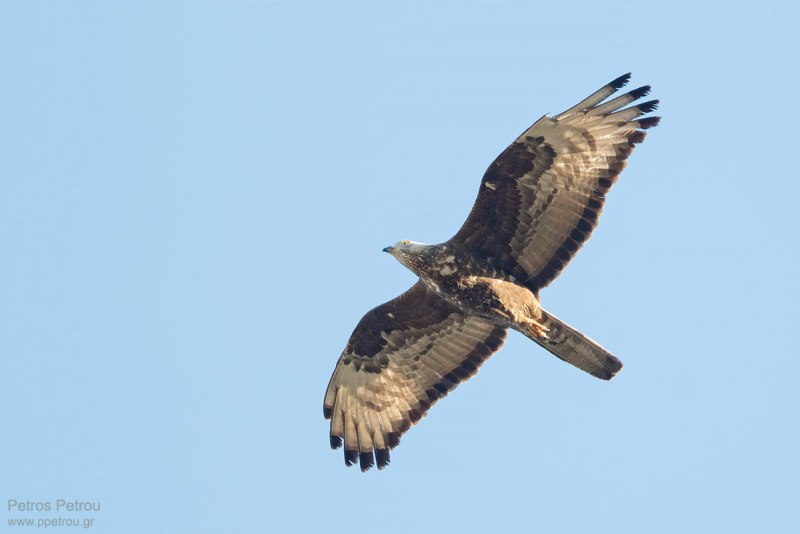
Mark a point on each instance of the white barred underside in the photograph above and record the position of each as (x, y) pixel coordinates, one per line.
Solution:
(369, 406)
(588, 147)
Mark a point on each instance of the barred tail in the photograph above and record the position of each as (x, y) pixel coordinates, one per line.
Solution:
(573, 347)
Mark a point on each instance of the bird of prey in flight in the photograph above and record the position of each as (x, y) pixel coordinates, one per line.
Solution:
(538, 202)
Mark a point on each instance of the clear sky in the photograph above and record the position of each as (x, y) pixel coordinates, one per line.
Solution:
(193, 201)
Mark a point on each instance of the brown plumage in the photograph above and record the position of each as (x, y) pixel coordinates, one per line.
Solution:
(538, 202)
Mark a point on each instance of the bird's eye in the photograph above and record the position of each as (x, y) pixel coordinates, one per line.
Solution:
(405, 242)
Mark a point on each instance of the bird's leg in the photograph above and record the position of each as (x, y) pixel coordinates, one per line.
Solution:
(532, 321)
(536, 328)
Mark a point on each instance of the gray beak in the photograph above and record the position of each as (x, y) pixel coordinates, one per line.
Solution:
(388, 249)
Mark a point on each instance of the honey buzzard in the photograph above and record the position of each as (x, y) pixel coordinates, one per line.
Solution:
(538, 202)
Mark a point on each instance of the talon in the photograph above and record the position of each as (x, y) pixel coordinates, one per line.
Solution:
(538, 329)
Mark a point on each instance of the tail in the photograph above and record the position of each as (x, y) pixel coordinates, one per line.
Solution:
(573, 347)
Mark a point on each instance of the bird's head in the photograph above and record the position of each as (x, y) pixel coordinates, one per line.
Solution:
(409, 253)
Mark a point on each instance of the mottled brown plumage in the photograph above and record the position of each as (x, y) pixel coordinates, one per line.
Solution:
(538, 202)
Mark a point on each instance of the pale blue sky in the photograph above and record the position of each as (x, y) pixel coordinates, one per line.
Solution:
(193, 203)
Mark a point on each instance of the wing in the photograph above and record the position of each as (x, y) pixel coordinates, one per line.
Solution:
(539, 201)
(402, 357)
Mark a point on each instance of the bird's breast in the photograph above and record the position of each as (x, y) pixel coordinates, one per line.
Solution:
(499, 300)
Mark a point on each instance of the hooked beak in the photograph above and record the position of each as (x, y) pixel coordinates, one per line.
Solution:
(388, 249)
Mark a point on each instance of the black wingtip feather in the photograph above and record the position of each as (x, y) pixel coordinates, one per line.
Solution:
(366, 460)
(350, 457)
(393, 439)
(640, 92)
(648, 122)
(382, 457)
(647, 107)
(336, 442)
(327, 412)
(621, 81)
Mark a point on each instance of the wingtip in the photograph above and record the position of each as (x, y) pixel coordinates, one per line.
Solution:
(622, 81)
(382, 457)
(367, 460)
(393, 439)
(350, 457)
(649, 122)
(647, 107)
(640, 92)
